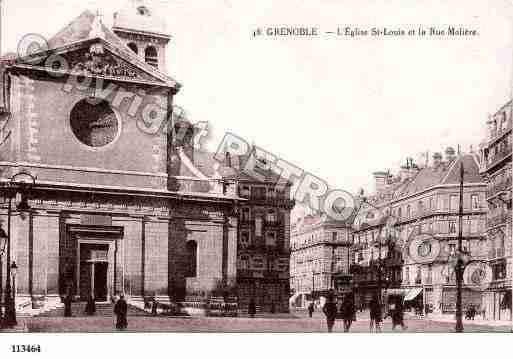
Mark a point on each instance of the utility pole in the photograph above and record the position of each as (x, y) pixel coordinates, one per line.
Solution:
(459, 260)
(1, 25)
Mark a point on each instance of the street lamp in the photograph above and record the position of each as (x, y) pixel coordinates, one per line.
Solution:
(12, 188)
(14, 271)
(3, 243)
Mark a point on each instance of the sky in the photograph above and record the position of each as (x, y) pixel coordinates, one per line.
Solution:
(339, 108)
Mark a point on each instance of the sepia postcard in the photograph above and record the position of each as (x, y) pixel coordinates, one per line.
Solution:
(228, 166)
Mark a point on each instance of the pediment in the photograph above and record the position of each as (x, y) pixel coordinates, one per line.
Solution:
(96, 58)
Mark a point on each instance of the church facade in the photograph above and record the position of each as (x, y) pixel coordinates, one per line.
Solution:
(119, 203)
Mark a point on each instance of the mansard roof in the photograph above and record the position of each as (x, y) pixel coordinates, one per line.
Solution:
(446, 173)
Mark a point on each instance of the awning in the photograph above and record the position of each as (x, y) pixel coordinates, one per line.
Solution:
(412, 294)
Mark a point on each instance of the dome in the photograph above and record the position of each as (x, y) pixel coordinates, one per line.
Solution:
(137, 15)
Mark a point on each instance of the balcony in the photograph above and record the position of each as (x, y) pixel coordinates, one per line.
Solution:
(492, 160)
(495, 134)
(498, 188)
(272, 223)
(498, 219)
(496, 253)
(273, 201)
(210, 186)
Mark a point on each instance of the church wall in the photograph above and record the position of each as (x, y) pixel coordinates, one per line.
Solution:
(58, 154)
(133, 252)
(209, 263)
(20, 243)
(156, 260)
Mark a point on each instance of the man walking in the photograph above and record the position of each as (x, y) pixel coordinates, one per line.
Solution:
(90, 308)
(67, 304)
(348, 312)
(252, 308)
(330, 310)
(121, 309)
(398, 314)
(375, 315)
(310, 309)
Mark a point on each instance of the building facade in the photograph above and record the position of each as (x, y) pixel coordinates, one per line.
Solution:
(264, 244)
(406, 233)
(121, 203)
(321, 250)
(496, 168)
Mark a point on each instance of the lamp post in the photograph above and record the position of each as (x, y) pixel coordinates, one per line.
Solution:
(3, 243)
(12, 188)
(14, 271)
(459, 262)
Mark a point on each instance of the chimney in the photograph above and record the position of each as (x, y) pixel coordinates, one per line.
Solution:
(450, 154)
(409, 170)
(381, 181)
(437, 159)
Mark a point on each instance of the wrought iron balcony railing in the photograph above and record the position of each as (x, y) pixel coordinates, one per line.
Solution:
(492, 160)
(498, 219)
(496, 253)
(499, 187)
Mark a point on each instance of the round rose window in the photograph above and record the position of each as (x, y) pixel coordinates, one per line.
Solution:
(94, 123)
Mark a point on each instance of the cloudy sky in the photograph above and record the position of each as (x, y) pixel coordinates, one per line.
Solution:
(340, 108)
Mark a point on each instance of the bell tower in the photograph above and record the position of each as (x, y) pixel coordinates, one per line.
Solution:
(143, 31)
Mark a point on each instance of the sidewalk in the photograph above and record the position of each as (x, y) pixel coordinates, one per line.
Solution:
(450, 318)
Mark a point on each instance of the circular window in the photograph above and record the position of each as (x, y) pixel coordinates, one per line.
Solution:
(94, 123)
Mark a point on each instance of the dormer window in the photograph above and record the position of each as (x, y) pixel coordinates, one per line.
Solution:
(143, 10)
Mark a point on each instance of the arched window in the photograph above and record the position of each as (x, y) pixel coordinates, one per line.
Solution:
(151, 56)
(192, 251)
(133, 47)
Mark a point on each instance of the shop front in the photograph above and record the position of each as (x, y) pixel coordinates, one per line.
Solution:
(469, 297)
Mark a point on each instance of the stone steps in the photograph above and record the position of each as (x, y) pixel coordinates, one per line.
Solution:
(102, 309)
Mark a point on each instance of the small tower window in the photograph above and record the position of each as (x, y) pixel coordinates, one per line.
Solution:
(143, 10)
(133, 47)
(151, 57)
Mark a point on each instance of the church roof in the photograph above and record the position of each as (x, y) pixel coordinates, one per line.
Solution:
(88, 26)
(206, 164)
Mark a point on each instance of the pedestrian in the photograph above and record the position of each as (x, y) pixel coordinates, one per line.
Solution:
(348, 312)
(121, 309)
(375, 315)
(252, 308)
(426, 309)
(330, 310)
(311, 309)
(398, 314)
(90, 307)
(67, 304)
(154, 306)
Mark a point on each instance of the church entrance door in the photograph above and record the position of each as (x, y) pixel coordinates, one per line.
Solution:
(94, 266)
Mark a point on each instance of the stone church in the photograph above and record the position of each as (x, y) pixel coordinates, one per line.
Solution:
(119, 205)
